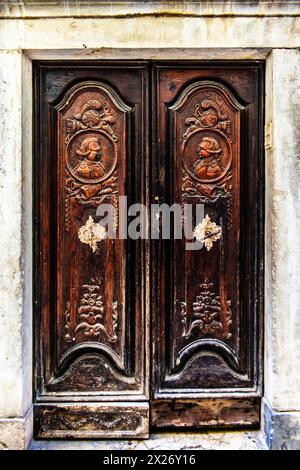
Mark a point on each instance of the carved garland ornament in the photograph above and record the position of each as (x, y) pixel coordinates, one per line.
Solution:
(95, 420)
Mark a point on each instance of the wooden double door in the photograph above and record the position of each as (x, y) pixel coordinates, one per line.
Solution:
(133, 333)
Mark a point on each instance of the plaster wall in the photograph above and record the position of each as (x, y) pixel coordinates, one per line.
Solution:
(282, 306)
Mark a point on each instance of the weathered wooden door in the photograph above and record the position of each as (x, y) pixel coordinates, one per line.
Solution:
(131, 332)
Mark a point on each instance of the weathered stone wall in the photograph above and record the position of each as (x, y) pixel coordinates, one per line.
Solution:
(15, 250)
(282, 325)
(282, 271)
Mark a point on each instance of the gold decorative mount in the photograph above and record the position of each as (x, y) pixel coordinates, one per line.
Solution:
(207, 232)
(91, 177)
(91, 234)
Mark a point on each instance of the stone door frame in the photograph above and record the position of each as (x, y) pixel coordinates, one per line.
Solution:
(281, 403)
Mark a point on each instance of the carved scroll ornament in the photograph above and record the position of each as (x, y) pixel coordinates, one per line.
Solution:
(209, 113)
(93, 115)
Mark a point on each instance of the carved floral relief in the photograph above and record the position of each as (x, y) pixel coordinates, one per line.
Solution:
(208, 314)
(90, 315)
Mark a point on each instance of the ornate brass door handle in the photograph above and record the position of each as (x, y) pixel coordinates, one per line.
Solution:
(207, 232)
(91, 233)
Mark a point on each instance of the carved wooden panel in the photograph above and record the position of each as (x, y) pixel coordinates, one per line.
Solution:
(206, 337)
(91, 421)
(206, 132)
(91, 134)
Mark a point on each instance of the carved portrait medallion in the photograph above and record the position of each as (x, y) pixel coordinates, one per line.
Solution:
(206, 155)
(91, 156)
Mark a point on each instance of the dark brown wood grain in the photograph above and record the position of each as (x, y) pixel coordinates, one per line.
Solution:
(135, 323)
(90, 148)
(206, 304)
(108, 420)
(207, 412)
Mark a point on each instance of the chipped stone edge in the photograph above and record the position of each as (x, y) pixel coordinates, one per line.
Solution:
(281, 429)
(16, 433)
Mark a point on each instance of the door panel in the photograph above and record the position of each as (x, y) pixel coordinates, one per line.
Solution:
(90, 307)
(205, 312)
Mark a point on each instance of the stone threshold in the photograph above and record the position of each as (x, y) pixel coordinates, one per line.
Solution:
(229, 440)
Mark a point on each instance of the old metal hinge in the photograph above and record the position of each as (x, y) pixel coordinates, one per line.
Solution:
(269, 135)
